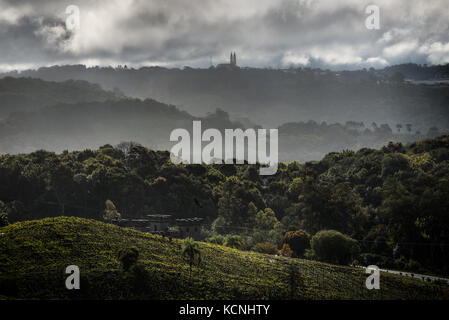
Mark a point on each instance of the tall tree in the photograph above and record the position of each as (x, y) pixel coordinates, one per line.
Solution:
(191, 252)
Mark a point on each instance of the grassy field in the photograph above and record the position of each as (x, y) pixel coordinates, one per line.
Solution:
(34, 255)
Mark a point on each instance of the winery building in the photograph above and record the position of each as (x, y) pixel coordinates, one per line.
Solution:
(166, 225)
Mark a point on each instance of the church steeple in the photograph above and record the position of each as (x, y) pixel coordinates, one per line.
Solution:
(233, 60)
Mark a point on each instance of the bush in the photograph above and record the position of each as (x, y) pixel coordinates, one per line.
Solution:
(234, 241)
(3, 219)
(3, 215)
(219, 225)
(414, 265)
(367, 259)
(286, 251)
(216, 239)
(408, 265)
(309, 254)
(298, 241)
(401, 263)
(128, 257)
(110, 213)
(334, 247)
(265, 247)
(141, 279)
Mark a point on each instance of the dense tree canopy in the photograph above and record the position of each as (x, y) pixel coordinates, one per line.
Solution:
(394, 201)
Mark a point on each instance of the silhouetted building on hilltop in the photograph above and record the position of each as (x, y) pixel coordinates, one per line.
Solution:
(232, 62)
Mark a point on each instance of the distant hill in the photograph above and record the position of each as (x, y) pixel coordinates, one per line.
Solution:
(419, 72)
(75, 115)
(89, 125)
(34, 255)
(92, 124)
(271, 97)
(26, 94)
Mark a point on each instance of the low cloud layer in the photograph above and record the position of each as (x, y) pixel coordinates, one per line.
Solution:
(277, 33)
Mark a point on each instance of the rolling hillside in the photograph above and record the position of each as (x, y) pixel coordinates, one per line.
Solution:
(27, 94)
(273, 97)
(34, 254)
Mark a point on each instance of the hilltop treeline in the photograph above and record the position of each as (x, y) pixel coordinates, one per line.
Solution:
(77, 115)
(27, 94)
(274, 96)
(393, 201)
(419, 72)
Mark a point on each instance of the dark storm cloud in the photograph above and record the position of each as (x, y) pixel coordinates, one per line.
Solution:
(27, 38)
(263, 32)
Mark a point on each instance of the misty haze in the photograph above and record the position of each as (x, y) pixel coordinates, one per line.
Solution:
(356, 94)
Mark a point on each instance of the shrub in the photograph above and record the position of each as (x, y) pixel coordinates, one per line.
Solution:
(366, 259)
(334, 247)
(408, 265)
(234, 241)
(3, 219)
(141, 278)
(298, 241)
(414, 265)
(216, 239)
(3, 215)
(128, 257)
(286, 251)
(219, 225)
(110, 213)
(309, 254)
(401, 263)
(265, 247)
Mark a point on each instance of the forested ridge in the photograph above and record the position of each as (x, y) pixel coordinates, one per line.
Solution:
(28, 94)
(271, 97)
(77, 115)
(394, 201)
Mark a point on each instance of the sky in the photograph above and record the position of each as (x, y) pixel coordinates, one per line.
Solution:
(263, 33)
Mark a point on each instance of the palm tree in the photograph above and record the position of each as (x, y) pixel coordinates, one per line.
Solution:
(191, 252)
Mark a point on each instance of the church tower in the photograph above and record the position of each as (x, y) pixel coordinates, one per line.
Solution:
(233, 60)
